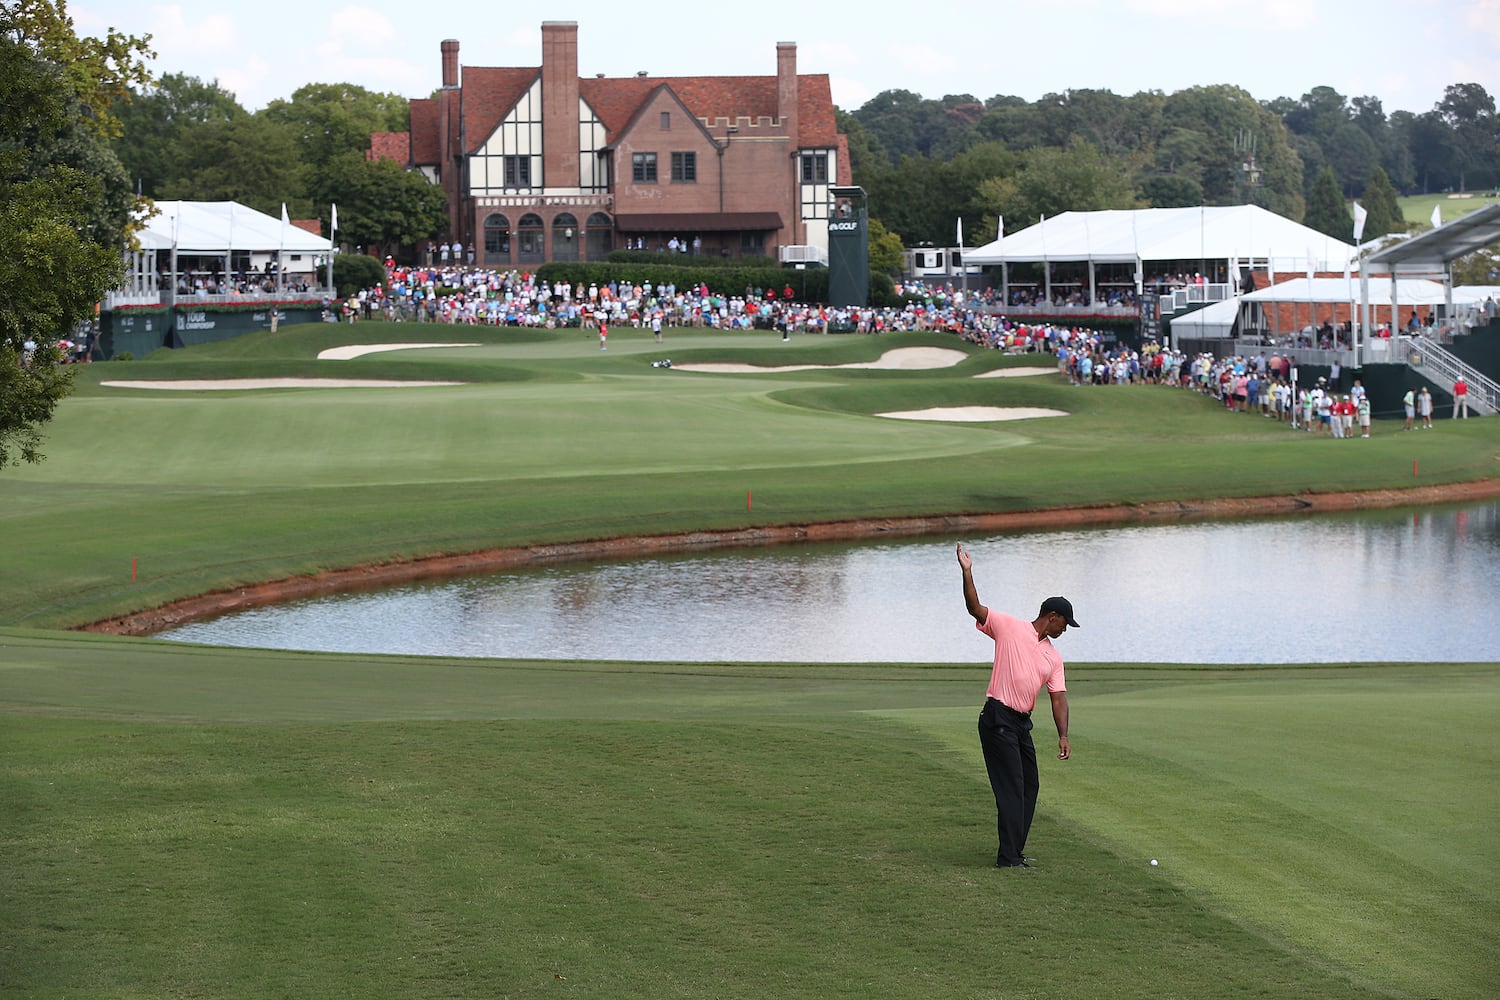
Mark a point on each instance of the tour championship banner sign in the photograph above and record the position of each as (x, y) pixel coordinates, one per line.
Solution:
(139, 330)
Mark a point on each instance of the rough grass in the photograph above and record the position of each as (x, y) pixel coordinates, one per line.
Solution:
(192, 822)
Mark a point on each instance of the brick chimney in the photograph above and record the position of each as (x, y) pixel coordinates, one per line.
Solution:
(560, 104)
(450, 116)
(450, 62)
(786, 88)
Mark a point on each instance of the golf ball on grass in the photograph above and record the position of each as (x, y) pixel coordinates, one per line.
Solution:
(1153, 862)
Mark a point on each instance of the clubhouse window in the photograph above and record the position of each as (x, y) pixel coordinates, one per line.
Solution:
(685, 168)
(814, 168)
(518, 171)
(643, 168)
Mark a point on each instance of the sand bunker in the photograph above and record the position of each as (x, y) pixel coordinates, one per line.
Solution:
(974, 414)
(272, 383)
(902, 359)
(1016, 372)
(351, 351)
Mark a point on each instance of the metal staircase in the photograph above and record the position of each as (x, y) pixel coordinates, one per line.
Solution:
(1429, 359)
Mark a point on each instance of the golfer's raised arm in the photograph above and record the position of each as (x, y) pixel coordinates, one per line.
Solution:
(971, 596)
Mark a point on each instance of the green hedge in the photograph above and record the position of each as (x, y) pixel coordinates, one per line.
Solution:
(686, 260)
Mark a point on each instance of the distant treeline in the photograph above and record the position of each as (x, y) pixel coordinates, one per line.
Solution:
(926, 163)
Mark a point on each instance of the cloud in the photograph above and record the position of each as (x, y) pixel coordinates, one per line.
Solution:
(1484, 18)
(359, 27)
(245, 81)
(849, 94)
(174, 35)
(1261, 15)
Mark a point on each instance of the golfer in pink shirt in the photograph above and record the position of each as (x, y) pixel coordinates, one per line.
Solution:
(1025, 661)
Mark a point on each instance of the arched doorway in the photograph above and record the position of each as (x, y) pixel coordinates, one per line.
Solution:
(496, 239)
(530, 239)
(601, 236)
(565, 237)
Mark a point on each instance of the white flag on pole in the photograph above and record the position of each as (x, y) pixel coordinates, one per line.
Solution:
(960, 231)
(1359, 221)
(1437, 216)
(333, 223)
(999, 227)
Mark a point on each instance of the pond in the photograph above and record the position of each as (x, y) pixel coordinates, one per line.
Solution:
(1404, 585)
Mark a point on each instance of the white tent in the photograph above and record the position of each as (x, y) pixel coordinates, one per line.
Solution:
(1217, 321)
(1213, 322)
(1239, 232)
(1409, 291)
(218, 227)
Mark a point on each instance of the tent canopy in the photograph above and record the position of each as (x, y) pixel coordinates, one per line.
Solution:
(1167, 234)
(1217, 320)
(217, 227)
(1409, 291)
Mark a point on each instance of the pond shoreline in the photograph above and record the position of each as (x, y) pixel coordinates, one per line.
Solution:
(381, 574)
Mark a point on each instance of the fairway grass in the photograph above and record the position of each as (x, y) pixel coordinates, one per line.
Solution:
(184, 821)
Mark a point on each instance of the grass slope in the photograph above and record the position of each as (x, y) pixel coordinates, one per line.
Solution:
(1417, 208)
(185, 822)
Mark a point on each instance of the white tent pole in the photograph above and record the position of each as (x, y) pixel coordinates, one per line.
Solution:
(1363, 336)
(1046, 267)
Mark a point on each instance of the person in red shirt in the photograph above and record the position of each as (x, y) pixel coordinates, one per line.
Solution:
(1460, 398)
(1024, 661)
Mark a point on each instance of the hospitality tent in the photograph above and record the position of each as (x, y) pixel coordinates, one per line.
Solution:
(1219, 320)
(1220, 244)
(191, 238)
(220, 227)
(1236, 232)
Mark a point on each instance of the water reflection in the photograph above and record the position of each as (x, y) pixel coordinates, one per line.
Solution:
(1391, 585)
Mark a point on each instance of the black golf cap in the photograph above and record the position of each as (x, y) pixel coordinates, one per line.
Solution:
(1062, 606)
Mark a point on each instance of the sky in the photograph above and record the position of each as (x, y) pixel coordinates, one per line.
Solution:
(1404, 53)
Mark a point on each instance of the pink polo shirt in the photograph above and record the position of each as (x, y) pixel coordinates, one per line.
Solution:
(1023, 663)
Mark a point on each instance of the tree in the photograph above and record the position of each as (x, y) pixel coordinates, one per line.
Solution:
(904, 124)
(905, 199)
(1230, 118)
(1432, 144)
(885, 250)
(1352, 155)
(62, 220)
(154, 120)
(1053, 181)
(249, 160)
(354, 271)
(98, 72)
(382, 202)
(1379, 200)
(866, 158)
(1469, 110)
(1171, 191)
(1326, 210)
(329, 119)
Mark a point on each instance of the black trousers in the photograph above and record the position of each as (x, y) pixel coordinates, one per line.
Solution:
(1010, 759)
